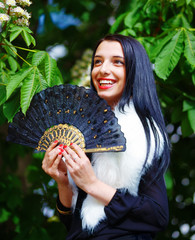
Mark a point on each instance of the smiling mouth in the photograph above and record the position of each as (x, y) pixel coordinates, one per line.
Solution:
(106, 82)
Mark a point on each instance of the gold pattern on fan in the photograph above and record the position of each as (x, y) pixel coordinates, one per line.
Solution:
(64, 133)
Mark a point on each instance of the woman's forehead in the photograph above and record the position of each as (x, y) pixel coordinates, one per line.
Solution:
(112, 48)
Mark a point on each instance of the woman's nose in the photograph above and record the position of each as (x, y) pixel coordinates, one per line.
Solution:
(105, 68)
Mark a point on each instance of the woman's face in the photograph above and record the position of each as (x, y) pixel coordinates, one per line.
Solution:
(109, 73)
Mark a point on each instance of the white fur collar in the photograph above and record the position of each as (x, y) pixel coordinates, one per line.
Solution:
(121, 169)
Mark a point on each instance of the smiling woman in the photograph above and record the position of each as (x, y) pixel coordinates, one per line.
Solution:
(117, 195)
(109, 74)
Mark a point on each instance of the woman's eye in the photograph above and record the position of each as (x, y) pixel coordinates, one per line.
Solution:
(97, 61)
(119, 62)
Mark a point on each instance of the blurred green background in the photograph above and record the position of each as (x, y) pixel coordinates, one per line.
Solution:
(68, 30)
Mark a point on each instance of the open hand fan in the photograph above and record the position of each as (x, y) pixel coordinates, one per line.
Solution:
(68, 113)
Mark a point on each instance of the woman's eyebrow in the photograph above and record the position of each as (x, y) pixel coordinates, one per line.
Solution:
(118, 57)
(112, 56)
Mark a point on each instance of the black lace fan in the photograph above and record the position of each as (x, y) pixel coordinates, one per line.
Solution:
(68, 113)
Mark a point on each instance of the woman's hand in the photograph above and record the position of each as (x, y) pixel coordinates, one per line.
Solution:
(55, 167)
(79, 167)
(53, 164)
(83, 175)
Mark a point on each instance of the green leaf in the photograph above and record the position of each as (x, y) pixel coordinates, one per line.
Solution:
(37, 155)
(189, 50)
(27, 38)
(193, 4)
(28, 89)
(9, 48)
(50, 69)
(2, 117)
(125, 32)
(169, 56)
(4, 77)
(26, 29)
(139, 27)
(180, 3)
(42, 84)
(186, 126)
(160, 44)
(17, 79)
(4, 215)
(14, 28)
(193, 78)
(117, 23)
(185, 22)
(2, 94)
(33, 83)
(131, 32)
(13, 63)
(169, 180)
(188, 1)
(33, 40)
(178, 21)
(188, 105)
(132, 17)
(2, 65)
(189, 13)
(148, 4)
(14, 35)
(38, 57)
(16, 220)
(59, 78)
(191, 118)
(12, 106)
(3, 34)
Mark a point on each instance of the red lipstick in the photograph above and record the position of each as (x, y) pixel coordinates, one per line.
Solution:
(107, 85)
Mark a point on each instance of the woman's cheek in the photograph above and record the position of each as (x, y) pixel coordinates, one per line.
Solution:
(95, 83)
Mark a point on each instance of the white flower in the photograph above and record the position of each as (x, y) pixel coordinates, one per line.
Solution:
(22, 22)
(18, 11)
(26, 15)
(24, 2)
(11, 2)
(3, 17)
(2, 5)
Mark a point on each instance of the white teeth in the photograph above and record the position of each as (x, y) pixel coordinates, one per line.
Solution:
(106, 82)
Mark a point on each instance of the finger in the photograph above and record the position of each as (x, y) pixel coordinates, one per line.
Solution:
(48, 162)
(52, 146)
(57, 161)
(69, 161)
(72, 154)
(63, 159)
(78, 150)
(51, 156)
(53, 171)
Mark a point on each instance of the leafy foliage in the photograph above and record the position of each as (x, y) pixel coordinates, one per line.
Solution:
(169, 39)
(165, 28)
(27, 76)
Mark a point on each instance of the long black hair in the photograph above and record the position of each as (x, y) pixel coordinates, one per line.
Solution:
(140, 87)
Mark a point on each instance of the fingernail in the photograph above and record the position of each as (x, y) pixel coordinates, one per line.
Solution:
(62, 150)
(65, 146)
(60, 153)
(61, 145)
(55, 141)
(71, 144)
